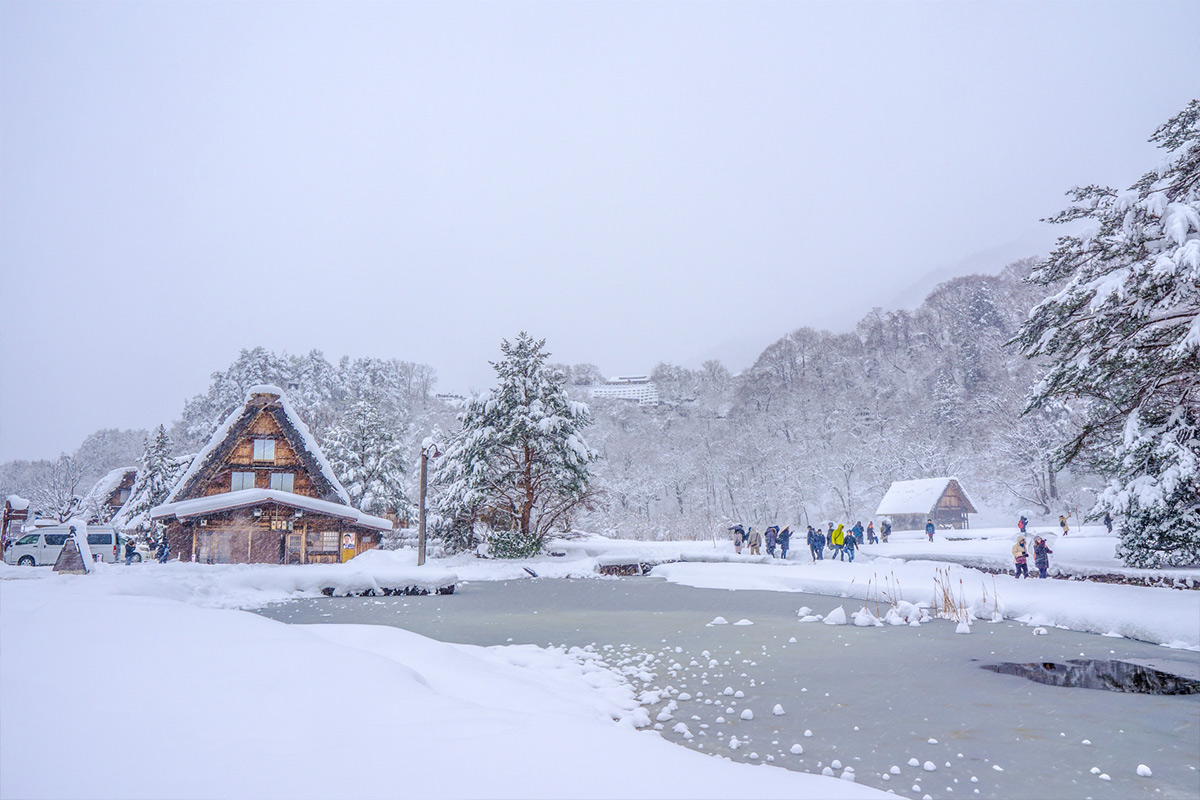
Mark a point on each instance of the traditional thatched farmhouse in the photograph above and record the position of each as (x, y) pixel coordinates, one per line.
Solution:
(908, 504)
(109, 494)
(262, 492)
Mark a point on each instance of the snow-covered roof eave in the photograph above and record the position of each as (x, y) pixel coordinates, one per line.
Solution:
(227, 501)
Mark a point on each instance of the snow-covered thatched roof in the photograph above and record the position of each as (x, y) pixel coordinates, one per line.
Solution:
(292, 425)
(918, 497)
(106, 486)
(253, 497)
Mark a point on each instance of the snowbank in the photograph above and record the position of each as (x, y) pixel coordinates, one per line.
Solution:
(245, 585)
(1162, 616)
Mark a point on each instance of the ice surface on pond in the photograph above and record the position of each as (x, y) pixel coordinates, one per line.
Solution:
(952, 704)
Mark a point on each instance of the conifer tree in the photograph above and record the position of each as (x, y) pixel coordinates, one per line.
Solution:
(157, 476)
(1122, 339)
(366, 451)
(519, 462)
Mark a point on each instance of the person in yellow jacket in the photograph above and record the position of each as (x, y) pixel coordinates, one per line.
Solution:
(838, 540)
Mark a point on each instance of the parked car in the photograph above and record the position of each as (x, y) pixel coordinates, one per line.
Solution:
(40, 548)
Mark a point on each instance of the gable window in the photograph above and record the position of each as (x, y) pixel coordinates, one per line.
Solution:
(241, 480)
(123, 496)
(283, 481)
(264, 449)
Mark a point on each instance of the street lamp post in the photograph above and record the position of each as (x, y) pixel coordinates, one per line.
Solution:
(428, 449)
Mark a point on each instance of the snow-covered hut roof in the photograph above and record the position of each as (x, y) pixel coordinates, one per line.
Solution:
(252, 497)
(106, 486)
(918, 497)
(307, 441)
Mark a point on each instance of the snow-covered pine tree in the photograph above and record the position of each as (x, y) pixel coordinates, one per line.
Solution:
(1122, 338)
(158, 474)
(365, 448)
(519, 463)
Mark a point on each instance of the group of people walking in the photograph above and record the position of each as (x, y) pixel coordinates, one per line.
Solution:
(754, 540)
(843, 543)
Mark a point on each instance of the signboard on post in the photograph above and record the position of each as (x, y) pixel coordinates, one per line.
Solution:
(347, 546)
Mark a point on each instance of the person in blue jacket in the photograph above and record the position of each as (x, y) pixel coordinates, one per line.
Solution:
(929, 529)
(785, 541)
(772, 538)
(811, 538)
(850, 546)
(858, 532)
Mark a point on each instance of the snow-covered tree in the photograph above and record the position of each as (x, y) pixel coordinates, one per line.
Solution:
(57, 494)
(366, 449)
(157, 474)
(1122, 339)
(519, 463)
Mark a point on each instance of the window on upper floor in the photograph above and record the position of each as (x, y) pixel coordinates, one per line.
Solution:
(283, 481)
(241, 480)
(264, 449)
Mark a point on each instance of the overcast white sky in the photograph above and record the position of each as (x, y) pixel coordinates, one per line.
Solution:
(635, 182)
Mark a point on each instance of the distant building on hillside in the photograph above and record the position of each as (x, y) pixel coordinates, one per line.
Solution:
(908, 504)
(628, 387)
(261, 491)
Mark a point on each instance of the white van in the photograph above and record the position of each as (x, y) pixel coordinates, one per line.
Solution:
(40, 548)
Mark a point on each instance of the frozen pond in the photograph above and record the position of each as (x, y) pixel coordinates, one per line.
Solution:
(873, 698)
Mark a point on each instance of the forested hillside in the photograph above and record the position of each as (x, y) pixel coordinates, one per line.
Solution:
(822, 423)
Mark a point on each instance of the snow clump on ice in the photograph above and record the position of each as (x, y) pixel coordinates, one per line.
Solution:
(747, 714)
(863, 618)
(743, 622)
(929, 766)
(719, 621)
(797, 750)
(1143, 771)
(777, 710)
(836, 617)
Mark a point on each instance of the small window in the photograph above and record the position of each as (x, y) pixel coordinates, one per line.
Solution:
(99, 538)
(264, 449)
(329, 540)
(30, 539)
(56, 539)
(283, 481)
(241, 480)
(122, 495)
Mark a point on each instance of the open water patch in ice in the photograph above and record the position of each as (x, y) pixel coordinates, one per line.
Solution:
(1114, 676)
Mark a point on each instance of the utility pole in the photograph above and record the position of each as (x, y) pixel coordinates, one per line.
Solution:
(427, 448)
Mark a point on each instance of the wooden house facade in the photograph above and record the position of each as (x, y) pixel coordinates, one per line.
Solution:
(908, 504)
(261, 492)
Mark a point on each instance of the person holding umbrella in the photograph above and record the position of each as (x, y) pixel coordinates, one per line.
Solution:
(1041, 555)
